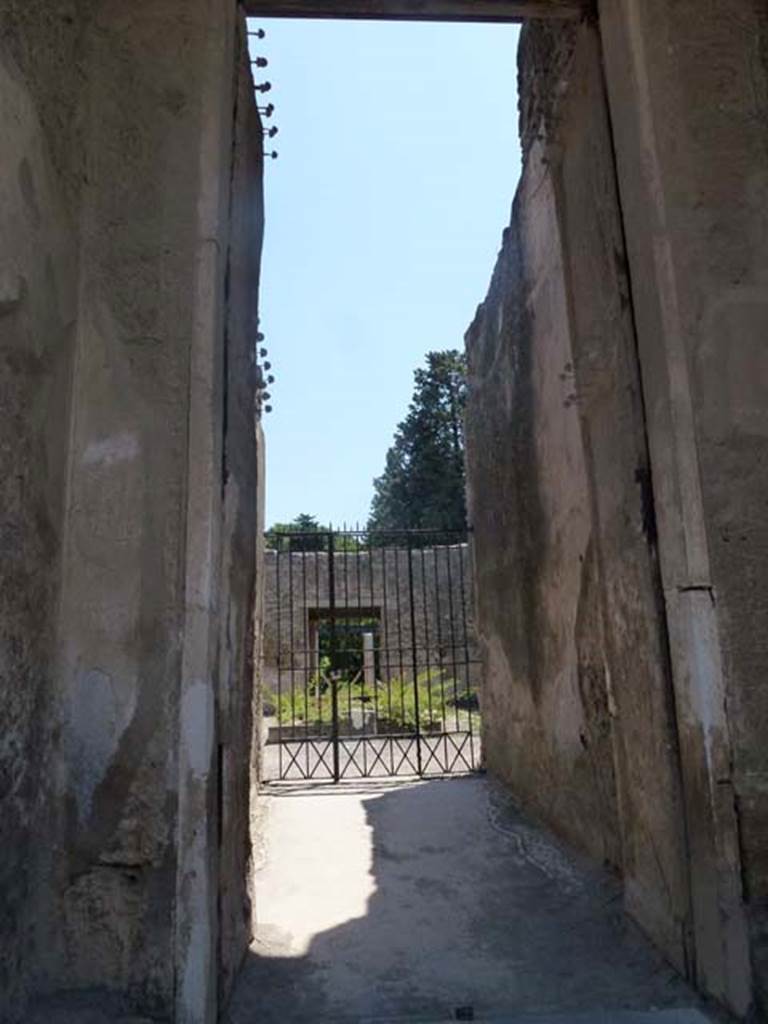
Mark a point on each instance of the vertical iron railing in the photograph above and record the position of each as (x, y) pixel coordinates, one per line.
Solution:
(415, 658)
(333, 657)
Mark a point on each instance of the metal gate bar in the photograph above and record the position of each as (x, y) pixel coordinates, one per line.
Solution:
(370, 666)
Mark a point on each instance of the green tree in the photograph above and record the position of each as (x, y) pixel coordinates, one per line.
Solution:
(423, 483)
(303, 533)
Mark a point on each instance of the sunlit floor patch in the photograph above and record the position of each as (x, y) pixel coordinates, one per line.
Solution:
(408, 901)
(318, 872)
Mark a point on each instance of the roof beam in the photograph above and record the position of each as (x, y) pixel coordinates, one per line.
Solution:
(416, 10)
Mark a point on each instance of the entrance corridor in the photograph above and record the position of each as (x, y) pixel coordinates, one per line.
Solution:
(436, 900)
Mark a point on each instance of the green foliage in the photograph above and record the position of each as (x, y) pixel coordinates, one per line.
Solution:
(346, 647)
(423, 483)
(394, 703)
(304, 533)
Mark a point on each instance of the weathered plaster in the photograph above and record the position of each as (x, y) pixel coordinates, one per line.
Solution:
(580, 717)
(38, 308)
(115, 207)
(197, 869)
(243, 526)
(688, 85)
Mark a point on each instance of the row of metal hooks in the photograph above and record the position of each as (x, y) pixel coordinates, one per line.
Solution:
(263, 87)
(264, 378)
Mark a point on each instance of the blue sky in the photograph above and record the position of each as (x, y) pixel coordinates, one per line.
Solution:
(398, 162)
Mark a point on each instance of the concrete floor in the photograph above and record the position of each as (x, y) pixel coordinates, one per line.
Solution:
(391, 900)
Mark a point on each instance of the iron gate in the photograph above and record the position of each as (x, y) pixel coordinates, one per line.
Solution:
(370, 664)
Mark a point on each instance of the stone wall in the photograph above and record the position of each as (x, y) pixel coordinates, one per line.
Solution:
(129, 511)
(374, 581)
(39, 187)
(567, 584)
(615, 448)
(243, 525)
(689, 95)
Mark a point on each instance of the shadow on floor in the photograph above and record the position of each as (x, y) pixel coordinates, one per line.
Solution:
(439, 895)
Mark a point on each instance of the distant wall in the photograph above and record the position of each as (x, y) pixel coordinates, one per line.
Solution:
(297, 585)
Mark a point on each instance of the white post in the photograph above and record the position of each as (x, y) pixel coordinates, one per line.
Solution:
(369, 661)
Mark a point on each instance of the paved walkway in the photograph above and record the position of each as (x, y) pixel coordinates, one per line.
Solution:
(410, 901)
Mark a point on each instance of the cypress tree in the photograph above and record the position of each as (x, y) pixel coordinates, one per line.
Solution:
(423, 483)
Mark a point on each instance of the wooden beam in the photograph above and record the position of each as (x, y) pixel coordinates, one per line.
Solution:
(417, 10)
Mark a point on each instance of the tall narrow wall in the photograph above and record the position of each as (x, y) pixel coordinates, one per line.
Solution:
(578, 703)
(131, 229)
(40, 181)
(688, 84)
(243, 528)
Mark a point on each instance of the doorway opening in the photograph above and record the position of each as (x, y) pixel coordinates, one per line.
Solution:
(550, 719)
(375, 255)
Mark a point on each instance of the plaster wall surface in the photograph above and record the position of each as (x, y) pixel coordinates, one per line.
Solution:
(38, 303)
(121, 610)
(689, 94)
(243, 526)
(579, 715)
(626, 390)
(130, 493)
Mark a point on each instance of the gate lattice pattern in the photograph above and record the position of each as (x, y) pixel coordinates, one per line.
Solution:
(370, 662)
